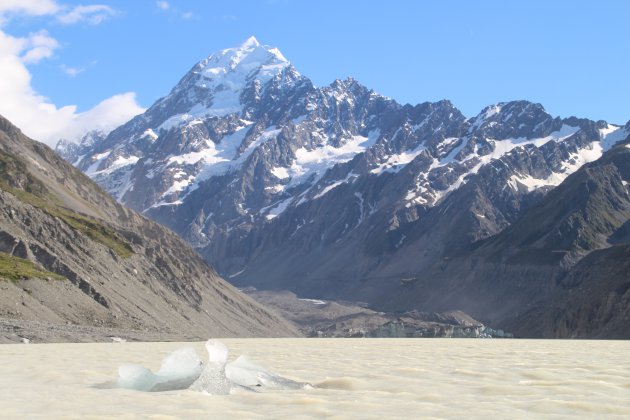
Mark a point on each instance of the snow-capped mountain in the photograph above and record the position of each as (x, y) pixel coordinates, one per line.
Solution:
(278, 182)
(73, 152)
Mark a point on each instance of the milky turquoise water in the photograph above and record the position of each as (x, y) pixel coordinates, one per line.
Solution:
(353, 378)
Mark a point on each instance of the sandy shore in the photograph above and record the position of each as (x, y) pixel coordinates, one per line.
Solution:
(20, 331)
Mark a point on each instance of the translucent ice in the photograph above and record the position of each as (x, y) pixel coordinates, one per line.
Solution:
(213, 379)
(181, 363)
(136, 377)
(183, 369)
(248, 374)
(178, 371)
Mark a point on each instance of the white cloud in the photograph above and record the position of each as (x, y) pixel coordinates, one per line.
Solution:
(107, 115)
(32, 49)
(38, 46)
(67, 15)
(92, 14)
(35, 114)
(166, 6)
(75, 71)
(71, 71)
(27, 7)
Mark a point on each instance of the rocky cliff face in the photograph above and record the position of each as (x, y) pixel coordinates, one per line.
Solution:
(556, 271)
(71, 255)
(337, 191)
(591, 298)
(591, 301)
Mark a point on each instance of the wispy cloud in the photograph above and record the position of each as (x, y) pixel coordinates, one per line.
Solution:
(75, 71)
(10, 8)
(38, 46)
(71, 71)
(35, 114)
(93, 14)
(166, 7)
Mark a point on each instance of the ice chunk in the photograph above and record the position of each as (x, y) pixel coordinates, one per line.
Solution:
(178, 371)
(217, 352)
(182, 362)
(136, 377)
(183, 369)
(248, 374)
(213, 379)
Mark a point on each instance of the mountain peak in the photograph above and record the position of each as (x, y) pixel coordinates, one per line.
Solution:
(215, 85)
(244, 59)
(250, 42)
(509, 110)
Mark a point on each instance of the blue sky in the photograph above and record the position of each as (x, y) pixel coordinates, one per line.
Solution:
(571, 56)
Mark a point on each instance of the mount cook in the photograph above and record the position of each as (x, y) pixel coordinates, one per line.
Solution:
(340, 193)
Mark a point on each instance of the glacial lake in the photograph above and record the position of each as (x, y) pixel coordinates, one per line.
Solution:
(352, 378)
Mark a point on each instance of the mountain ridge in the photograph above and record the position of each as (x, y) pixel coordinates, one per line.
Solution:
(295, 180)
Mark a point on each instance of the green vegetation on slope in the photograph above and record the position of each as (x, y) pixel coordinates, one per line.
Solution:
(14, 175)
(15, 179)
(14, 268)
